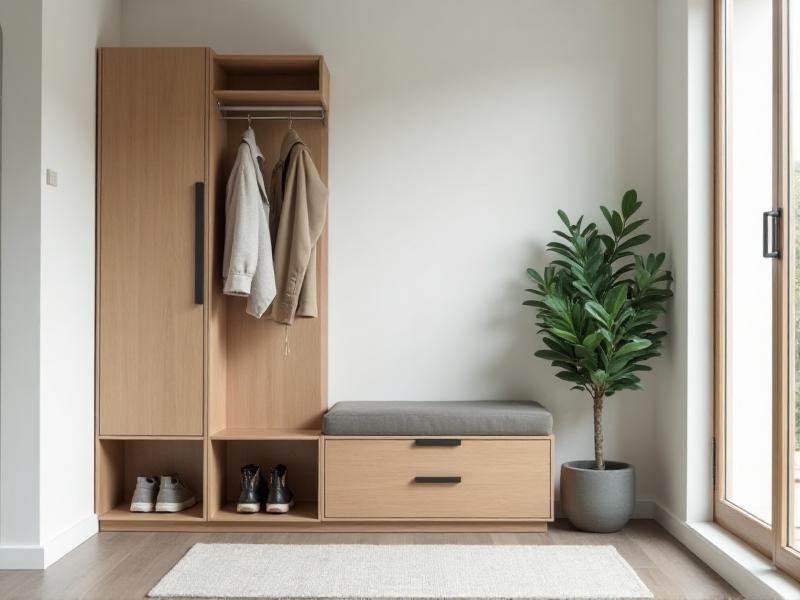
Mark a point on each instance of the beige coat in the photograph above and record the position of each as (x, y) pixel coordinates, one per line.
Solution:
(247, 261)
(297, 217)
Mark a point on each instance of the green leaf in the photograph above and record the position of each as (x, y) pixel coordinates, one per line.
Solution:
(596, 311)
(616, 224)
(592, 340)
(565, 335)
(631, 227)
(550, 355)
(633, 346)
(534, 274)
(606, 214)
(636, 240)
(616, 300)
(564, 219)
(629, 204)
(569, 376)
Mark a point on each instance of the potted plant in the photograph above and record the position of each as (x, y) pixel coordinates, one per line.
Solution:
(597, 305)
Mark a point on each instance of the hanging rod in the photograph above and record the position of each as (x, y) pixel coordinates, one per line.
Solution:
(290, 110)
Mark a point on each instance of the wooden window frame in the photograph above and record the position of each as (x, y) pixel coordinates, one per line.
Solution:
(727, 514)
(772, 541)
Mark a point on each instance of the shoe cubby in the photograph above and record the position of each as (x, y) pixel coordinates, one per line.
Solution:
(301, 457)
(121, 461)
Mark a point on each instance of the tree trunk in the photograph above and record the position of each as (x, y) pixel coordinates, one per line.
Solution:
(599, 463)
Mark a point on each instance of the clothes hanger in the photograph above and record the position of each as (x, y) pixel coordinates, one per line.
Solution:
(249, 120)
(290, 119)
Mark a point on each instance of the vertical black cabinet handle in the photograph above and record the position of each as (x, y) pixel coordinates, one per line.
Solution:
(199, 241)
(771, 250)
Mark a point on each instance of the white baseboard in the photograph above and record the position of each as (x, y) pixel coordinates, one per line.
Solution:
(643, 509)
(745, 569)
(41, 557)
(71, 538)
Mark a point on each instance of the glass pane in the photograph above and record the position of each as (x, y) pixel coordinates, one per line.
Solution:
(748, 285)
(794, 257)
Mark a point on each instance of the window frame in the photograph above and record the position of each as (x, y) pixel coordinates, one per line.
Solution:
(772, 541)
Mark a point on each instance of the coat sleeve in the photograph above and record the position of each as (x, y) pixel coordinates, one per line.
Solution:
(305, 207)
(317, 208)
(242, 204)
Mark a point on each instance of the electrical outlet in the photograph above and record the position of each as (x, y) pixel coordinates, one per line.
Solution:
(52, 178)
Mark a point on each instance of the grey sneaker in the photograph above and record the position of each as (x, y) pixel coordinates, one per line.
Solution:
(173, 495)
(144, 496)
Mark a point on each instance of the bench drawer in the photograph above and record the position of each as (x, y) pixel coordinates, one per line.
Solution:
(483, 479)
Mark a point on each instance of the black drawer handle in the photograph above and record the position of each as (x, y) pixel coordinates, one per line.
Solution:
(199, 240)
(441, 479)
(436, 442)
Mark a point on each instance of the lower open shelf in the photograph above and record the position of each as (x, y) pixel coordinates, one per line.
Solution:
(301, 512)
(121, 512)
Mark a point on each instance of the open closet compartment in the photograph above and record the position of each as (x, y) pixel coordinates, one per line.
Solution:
(271, 80)
(299, 454)
(267, 382)
(121, 461)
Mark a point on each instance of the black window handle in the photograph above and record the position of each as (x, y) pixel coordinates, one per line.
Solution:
(199, 240)
(771, 217)
(437, 442)
(439, 479)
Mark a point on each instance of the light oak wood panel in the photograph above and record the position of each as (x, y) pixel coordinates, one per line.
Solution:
(305, 511)
(122, 513)
(298, 526)
(153, 105)
(266, 386)
(217, 338)
(270, 97)
(109, 468)
(255, 433)
(375, 479)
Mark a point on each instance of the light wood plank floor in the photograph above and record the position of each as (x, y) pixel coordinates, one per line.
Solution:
(127, 565)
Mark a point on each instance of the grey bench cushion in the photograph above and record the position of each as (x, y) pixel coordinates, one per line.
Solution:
(485, 417)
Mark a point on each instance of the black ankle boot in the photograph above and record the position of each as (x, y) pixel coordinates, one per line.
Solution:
(253, 490)
(279, 497)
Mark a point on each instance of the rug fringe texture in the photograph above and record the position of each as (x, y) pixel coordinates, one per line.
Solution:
(394, 572)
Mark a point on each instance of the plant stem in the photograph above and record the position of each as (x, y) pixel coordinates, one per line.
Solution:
(599, 463)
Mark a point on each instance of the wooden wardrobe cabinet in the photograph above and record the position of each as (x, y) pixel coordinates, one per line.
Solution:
(188, 382)
(152, 152)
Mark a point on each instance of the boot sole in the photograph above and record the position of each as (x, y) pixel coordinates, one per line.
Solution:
(143, 506)
(248, 508)
(279, 508)
(175, 506)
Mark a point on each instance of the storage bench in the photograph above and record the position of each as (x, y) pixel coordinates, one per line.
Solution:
(438, 461)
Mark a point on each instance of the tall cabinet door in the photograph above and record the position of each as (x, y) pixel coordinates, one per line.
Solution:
(152, 151)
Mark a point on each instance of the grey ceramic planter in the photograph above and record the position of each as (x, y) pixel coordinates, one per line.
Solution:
(597, 501)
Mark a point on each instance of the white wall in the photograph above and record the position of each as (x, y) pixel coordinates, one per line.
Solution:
(71, 33)
(684, 189)
(20, 207)
(457, 129)
(47, 310)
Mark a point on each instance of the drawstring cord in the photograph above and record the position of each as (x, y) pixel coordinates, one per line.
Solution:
(286, 348)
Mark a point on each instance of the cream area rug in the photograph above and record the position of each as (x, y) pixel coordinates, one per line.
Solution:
(311, 572)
